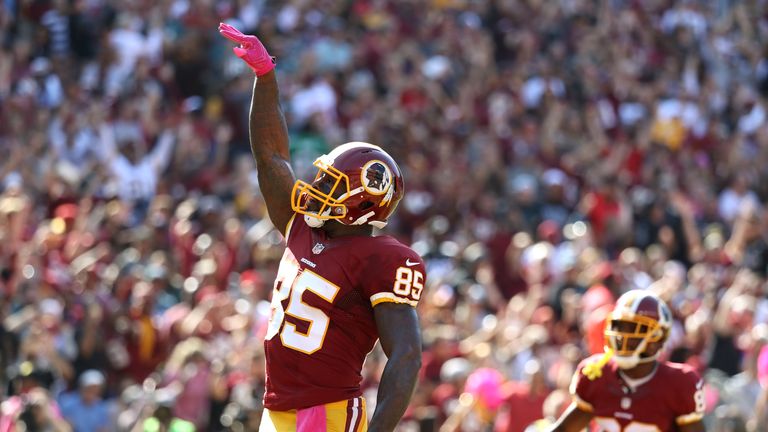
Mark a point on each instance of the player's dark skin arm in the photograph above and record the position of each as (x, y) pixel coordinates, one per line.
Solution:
(573, 419)
(400, 338)
(693, 427)
(269, 145)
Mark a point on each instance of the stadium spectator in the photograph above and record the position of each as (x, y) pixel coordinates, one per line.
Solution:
(85, 409)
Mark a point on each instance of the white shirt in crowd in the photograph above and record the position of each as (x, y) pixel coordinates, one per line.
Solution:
(78, 149)
(136, 181)
(730, 203)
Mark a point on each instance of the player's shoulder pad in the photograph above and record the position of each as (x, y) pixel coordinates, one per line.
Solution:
(394, 250)
(681, 374)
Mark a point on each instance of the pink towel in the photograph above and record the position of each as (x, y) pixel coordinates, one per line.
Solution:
(311, 419)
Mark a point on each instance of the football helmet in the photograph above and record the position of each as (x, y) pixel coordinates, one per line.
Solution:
(357, 183)
(640, 318)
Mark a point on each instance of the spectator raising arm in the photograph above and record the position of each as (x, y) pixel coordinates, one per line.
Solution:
(160, 156)
(136, 174)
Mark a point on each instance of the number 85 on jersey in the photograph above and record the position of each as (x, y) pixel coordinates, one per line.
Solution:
(293, 282)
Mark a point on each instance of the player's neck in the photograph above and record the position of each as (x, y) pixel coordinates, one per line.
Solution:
(334, 229)
(640, 371)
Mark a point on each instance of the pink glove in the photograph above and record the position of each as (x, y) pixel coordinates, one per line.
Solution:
(251, 49)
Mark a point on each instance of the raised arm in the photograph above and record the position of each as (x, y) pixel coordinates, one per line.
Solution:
(268, 131)
(400, 337)
(108, 148)
(160, 156)
(269, 144)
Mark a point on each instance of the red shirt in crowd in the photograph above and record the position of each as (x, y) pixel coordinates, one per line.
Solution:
(524, 407)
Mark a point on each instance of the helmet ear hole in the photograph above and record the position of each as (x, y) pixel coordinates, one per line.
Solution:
(365, 205)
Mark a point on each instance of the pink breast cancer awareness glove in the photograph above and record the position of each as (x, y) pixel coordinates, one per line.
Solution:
(251, 50)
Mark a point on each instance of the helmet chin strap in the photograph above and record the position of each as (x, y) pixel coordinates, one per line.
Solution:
(629, 362)
(626, 362)
(377, 224)
(314, 221)
(363, 219)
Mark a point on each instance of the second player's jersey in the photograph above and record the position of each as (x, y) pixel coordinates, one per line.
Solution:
(322, 324)
(672, 396)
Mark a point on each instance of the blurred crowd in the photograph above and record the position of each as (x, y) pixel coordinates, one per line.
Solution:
(556, 154)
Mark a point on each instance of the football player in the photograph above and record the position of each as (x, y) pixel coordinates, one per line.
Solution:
(338, 288)
(628, 389)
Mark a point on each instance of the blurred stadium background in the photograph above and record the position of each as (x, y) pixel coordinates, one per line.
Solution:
(556, 154)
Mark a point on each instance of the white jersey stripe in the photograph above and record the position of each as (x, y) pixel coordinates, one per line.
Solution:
(355, 414)
(390, 297)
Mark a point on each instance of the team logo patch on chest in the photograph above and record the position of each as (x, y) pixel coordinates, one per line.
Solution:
(318, 248)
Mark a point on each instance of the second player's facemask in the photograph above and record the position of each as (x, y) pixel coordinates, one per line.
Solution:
(629, 340)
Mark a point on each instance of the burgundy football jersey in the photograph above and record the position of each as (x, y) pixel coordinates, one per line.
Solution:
(673, 396)
(322, 324)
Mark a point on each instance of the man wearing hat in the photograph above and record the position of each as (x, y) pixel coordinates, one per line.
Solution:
(85, 409)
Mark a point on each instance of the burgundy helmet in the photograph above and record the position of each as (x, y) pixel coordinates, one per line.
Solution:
(639, 318)
(356, 183)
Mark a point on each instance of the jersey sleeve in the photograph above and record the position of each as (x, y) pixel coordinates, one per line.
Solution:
(689, 402)
(582, 387)
(395, 275)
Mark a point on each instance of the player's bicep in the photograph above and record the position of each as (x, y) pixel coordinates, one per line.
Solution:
(692, 427)
(276, 181)
(398, 327)
(574, 419)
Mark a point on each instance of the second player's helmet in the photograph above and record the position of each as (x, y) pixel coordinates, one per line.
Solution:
(639, 319)
(357, 183)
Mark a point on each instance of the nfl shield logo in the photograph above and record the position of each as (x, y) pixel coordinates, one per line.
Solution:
(318, 248)
(626, 403)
